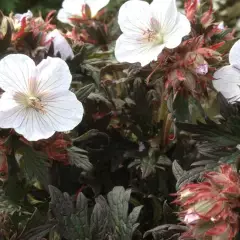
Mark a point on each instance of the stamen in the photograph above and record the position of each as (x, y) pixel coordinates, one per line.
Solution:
(150, 35)
(36, 104)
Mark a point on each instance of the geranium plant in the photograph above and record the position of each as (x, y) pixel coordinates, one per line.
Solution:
(119, 120)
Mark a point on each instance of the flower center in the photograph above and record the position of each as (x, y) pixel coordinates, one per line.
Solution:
(35, 103)
(153, 34)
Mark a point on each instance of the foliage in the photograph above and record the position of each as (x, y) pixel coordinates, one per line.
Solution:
(146, 132)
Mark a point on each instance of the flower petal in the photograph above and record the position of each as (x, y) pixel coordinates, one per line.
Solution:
(27, 15)
(165, 12)
(234, 54)
(132, 50)
(11, 113)
(181, 29)
(73, 7)
(63, 16)
(96, 5)
(17, 73)
(34, 127)
(63, 110)
(53, 75)
(60, 44)
(134, 17)
(227, 81)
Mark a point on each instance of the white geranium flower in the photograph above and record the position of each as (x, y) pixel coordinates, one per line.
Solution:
(60, 44)
(227, 79)
(19, 17)
(148, 29)
(75, 9)
(37, 101)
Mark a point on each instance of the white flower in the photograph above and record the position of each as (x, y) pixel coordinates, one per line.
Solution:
(202, 69)
(60, 44)
(17, 18)
(227, 79)
(37, 101)
(191, 217)
(148, 29)
(75, 9)
(221, 26)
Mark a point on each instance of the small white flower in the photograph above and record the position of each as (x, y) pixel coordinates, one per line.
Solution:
(148, 29)
(75, 9)
(202, 69)
(37, 101)
(191, 217)
(227, 79)
(60, 44)
(17, 18)
(221, 26)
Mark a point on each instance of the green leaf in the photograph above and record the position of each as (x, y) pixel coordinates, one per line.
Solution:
(148, 165)
(211, 133)
(78, 158)
(124, 225)
(35, 165)
(180, 108)
(60, 201)
(61, 206)
(38, 232)
(100, 219)
(177, 170)
(8, 206)
(165, 231)
(84, 92)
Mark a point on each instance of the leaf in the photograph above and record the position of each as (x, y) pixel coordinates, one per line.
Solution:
(165, 231)
(35, 165)
(180, 108)
(100, 219)
(92, 71)
(164, 160)
(147, 166)
(227, 46)
(79, 160)
(168, 213)
(76, 227)
(8, 206)
(177, 170)
(85, 91)
(38, 232)
(60, 201)
(32, 223)
(124, 225)
(211, 133)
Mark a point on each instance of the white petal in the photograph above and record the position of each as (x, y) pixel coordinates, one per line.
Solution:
(181, 29)
(7, 102)
(53, 75)
(96, 5)
(73, 7)
(64, 16)
(227, 81)
(11, 113)
(134, 17)
(60, 45)
(17, 73)
(165, 12)
(27, 15)
(234, 54)
(129, 50)
(34, 127)
(63, 111)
